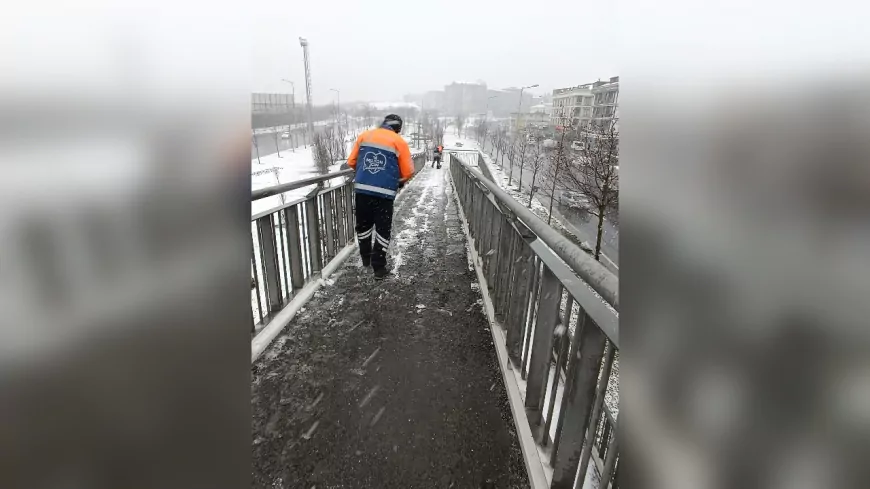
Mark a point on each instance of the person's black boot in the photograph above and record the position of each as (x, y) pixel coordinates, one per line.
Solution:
(367, 262)
(382, 273)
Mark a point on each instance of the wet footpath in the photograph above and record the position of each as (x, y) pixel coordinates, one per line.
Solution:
(391, 384)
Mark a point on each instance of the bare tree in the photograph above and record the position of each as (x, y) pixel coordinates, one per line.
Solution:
(512, 153)
(537, 156)
(481, 131)
(339, 150)
(459, 120)
(499, 135)
(524, 144)
(368, 116)
(321, 151)
(439, 133)
(484, 132)
(558, 161)
(596, 176)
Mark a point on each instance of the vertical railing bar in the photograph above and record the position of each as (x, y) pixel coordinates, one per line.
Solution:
(541, 352)
(563, 350)
(609, 461)
(265, 298)
(600, 393)
(285, 253)
(256, 282)
(303, 228)
(509, 250)
(579, 324)
(529, 320)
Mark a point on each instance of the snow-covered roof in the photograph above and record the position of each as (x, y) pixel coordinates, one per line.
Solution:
(460, 82)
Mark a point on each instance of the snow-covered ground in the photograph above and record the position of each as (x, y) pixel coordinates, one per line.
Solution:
(289, 167)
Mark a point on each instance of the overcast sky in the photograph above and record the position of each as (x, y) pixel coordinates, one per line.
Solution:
(380, 50)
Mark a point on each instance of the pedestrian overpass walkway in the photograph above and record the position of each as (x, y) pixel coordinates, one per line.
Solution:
(413, 381)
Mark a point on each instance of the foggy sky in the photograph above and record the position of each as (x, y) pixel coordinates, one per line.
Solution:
(379, 50)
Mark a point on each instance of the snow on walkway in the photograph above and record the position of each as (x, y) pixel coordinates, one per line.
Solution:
(393, 383)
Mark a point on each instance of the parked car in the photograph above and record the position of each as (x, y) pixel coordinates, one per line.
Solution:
(573, 199)
(577, 146)
(458, 145)
(285, 135)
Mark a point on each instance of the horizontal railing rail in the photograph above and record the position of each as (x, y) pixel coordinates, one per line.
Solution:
(555, 307)
(286, 187)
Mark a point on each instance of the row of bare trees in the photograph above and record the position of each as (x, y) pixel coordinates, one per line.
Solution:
(590, 173)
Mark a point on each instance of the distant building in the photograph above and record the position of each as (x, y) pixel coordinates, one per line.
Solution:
(434, 100)
(465, 98)
(606, 100)
(572, 106)
(272, 103)
(579, 105)
(507, 101)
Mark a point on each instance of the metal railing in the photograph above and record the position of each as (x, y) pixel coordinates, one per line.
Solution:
(292, 242)
(555, 306)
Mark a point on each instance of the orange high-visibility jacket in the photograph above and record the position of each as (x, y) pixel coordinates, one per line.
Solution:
(386, 160)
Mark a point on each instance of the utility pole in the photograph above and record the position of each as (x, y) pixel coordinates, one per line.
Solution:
(520, 107)
(293, 112)
(304, 43)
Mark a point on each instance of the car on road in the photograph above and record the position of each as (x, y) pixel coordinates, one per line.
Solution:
(573, 199)
(458, 145)
(285, 135)
(577, 145)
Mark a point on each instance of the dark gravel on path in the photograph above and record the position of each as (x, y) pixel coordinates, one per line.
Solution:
(366, 388)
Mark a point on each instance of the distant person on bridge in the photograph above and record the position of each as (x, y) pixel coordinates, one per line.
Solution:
(437, 151)
(386, 166)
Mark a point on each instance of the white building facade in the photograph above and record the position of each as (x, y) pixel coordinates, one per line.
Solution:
(580, 105)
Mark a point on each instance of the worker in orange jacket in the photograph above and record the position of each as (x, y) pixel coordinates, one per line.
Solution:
(386, 165)
(437, 153)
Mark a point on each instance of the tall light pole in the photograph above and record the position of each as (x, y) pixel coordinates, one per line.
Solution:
(520, 107)
(304, 43)
(293, 115)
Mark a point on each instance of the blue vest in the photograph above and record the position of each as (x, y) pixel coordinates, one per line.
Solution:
(377, 170)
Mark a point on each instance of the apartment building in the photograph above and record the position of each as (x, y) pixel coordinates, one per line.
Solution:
(579, 105)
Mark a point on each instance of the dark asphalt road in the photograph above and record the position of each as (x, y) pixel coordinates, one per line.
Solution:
(390, 384)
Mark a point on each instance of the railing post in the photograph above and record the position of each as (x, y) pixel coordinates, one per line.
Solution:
(542, 342)
(577, 401)
(597, 408)
(609, 461)
(297, 275)
(328, 223)
(340, 228)
(351, 219)
(521, 283)
(269, 257)
(311, 215)
(507, 250)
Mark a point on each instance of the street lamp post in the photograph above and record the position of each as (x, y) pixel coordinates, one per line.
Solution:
(520, 107)
(293, 86)
(293, 118)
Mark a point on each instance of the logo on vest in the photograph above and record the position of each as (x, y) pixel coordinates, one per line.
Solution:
(374, 162)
